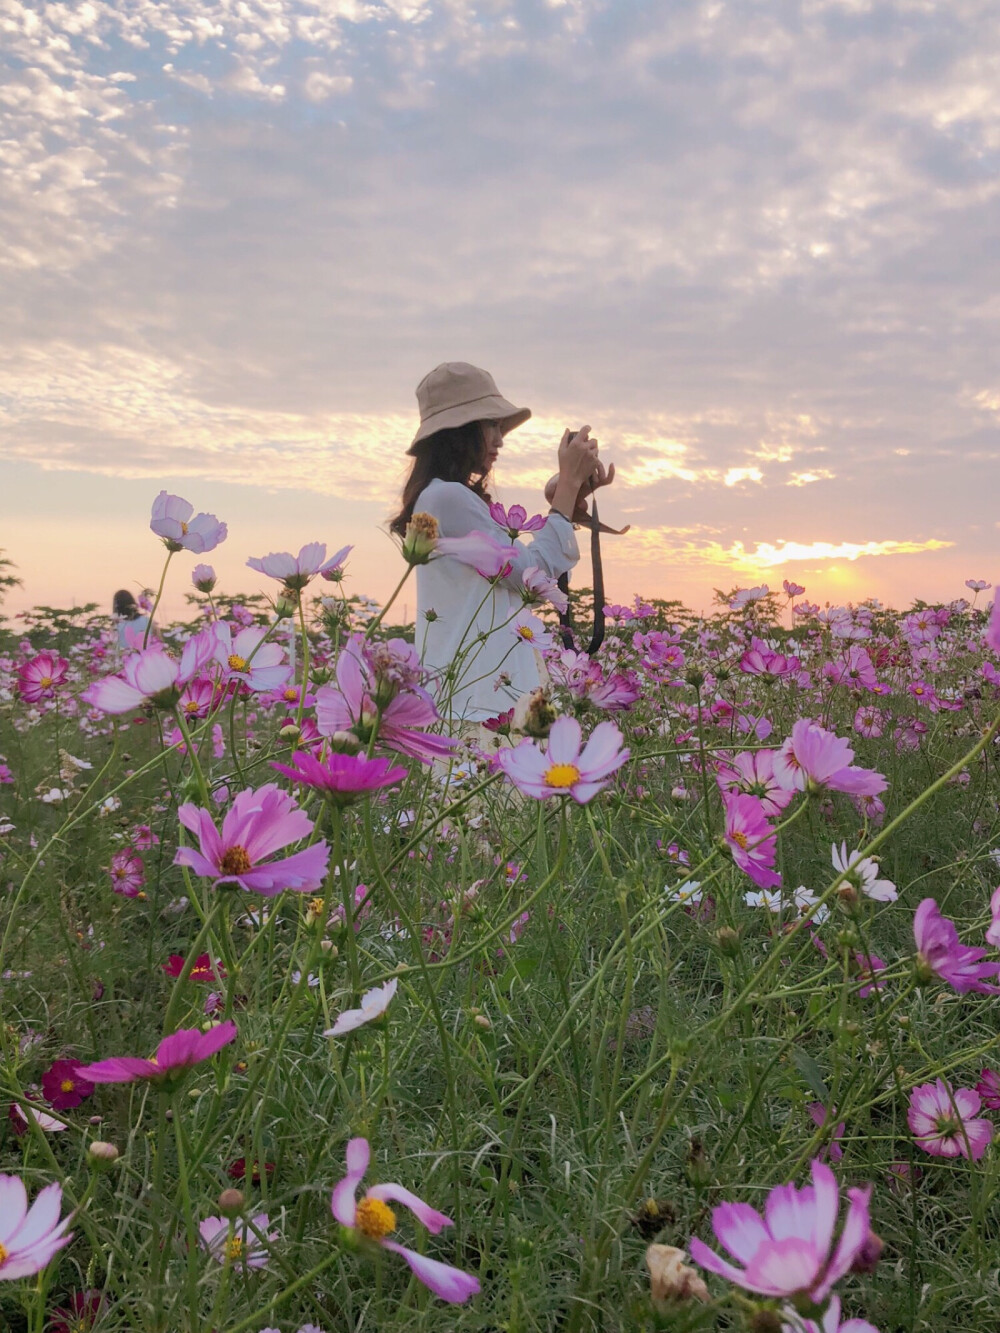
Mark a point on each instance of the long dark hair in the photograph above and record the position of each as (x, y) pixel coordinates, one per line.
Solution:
(454, 454)
(124, 605)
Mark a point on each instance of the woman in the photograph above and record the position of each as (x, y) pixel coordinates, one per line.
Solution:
(464, 627)
(131, 622)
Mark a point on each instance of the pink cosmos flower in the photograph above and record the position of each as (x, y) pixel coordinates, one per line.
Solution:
(373, 1218)
(529, 629)
(993, 929)
(245, 1250)
(537, 586)
(821, 1119)
(869, 721)
(174, 1056)
(351, 706)
(792, 589)
(562, 769)
(515, 519)
(829, 1322)
(295, 571)
(940, 953)
(814, 759)
(203, 578)
(790, 1250)
(991, 635)
(39, 677)
(751, 839)
(342, 778)
(978, 585)
(744, 596)
(29, 1238)
(203, 969)
(152, 675)
(128, 874)
(172, 520)
(759, 660)
(374, 1003)
(333, 570)
(62, 1086)
(259, 668)
(868, 969)
(199, 698)
(855, 670)
(941, 1120)
(752, 773)
(256, 826)
(988, 1088)
(24, 1114)
(487, 555)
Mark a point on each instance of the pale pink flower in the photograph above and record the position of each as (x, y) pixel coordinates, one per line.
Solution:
(245, 1249)
(374, 1003)
(790, 1250)
(869, 721)
(747, 595)
(29, 1238)
(828, 1322)
(203, 578)
(172, 520)
(941, 1119)
(978, 585)
(861, 873)
(128, 874)
(28, 1114)
(751, 772)
(530, 630)
(537, 586)
(515, 519)
(152, 675)
(562, 768)
(372, 1218)
(814, 759)
(245, 659)
(792, 589)
(993, 929)
(295, 571)
(487, 555)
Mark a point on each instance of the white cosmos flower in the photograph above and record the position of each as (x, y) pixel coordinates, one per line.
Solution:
(48, 1123)
(687, 893)
(374, 1003)
(862, 873)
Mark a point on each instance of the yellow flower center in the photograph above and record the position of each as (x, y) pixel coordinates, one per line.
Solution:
(290, 694)
(526, 632)
(45, 682)
(67, 1085)
(3, 1256)
(562, 776)
(234, 1249)
(184, 527)
(235, 861)
(740, 839)
(190, 706)
(237, 663)
(374, 1218)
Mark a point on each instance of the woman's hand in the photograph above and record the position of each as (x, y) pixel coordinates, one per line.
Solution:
(600, 476)
(577, 456)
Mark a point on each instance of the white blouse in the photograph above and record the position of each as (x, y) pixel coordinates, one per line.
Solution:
(471, 631)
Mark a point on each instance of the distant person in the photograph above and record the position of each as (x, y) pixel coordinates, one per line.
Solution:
(131, 621)
(463, 422)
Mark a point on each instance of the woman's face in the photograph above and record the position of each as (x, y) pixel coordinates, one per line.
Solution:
(492, 444)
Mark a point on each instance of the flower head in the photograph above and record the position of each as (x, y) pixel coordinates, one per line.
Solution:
(172, 520)
(860, 875)
(515, 519)
(63, 1087)
(988, 1088)
(244, 1249)
(342, 778)
(814, 759)
(295, 571)
(751, 839)
(374, 1003)
(202, 969)
(203, 578)
(29, 1238)
(790, 1250)
(562, 768)
(487, 555)
(245, 657)
(940, 953)
(127, 872)
(39, 677)
(152, 675)
(829, 1322)
(174, 1056)
(941, 1119)
(256, 826)
(371, 1217)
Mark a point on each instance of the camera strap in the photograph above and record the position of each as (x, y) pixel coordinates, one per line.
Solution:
(593, 522)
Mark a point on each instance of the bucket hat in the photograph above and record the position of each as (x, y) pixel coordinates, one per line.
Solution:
(455, 393)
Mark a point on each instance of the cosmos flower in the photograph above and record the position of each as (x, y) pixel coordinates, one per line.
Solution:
(529, 629)
(203, 578)
(152, 675)
(29, 1238)
(751, 839)
(860, 873)
(374, 1003)
(537, 586)
(562, 768)
(828, 1322)
(295, 571)
(942, 1121)
(256, 826)
(814, 759)
(752, 773)
(174, 1056)
(940, 953)
(40, 676)
(991, 635)
(245, 1249)
(127, 872)
(487, 555)
(203, 969)
(821, 1118)
(243, 657)
(373, 1218)
(342, 778)
(515, 519)
(790, 1250)
(172, 520)
(62, 1087)
(988, 1088)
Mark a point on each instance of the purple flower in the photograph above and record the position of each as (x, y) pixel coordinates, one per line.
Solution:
(988, 1088)
(563, 769)
(342, 778)
(245, 1249)
(203, 578)
(940, 953)
(256, 826)
(814, 759)
(62, 1086)
(991, 635)
(941, 1120)
(172, 520)
(295, 571)
(128, 874)
(174, 1056)
(790, 1250)
(515, 519)
(751, 839)
(993, 929)
(373, 1218)
(29, 1238)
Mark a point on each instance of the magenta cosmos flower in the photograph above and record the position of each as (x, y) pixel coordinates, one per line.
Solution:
(127, 872)
(29, 1238)
(790, 1251)
(62, 1086)
(174, 1056)
(372, 1217)
(172, 520)
(487, 555)
(814, 759)
(245, 660)
(941, 1120)
(295, 571)
(751, 839)
(515, 519)
(256, 826)
(245, 1249)
(38, 678)
(563, 769)
(342, 778)
(988, 1088)
(940, 953)
(991, 635)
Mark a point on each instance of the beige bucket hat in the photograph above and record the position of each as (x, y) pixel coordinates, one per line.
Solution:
(455, 393)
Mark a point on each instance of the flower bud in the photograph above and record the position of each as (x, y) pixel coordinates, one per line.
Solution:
(203, 577)
(289, 732)
(696, 680)
(287, 604)
(343, 742)
(866, 1259)
(102, 1156)
(728, 941)
(231, 1203)
(481, 1021)
(420, 539)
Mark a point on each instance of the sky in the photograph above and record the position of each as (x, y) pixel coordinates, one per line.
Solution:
(752, 245)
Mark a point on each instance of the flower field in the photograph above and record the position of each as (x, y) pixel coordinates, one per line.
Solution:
(666, 1000)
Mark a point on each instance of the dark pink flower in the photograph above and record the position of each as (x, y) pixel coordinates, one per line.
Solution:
(342, 778)
(81, 1314)
(63, 1088)
(174, 1056)
(128, 874)
(751, 839)
(991, 635)
(257, 825)
(940, 953)
(203, 969)
(941, 1120)
(40, 676)
(759, 660)
(988, 1088)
